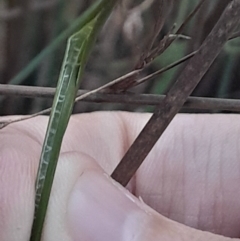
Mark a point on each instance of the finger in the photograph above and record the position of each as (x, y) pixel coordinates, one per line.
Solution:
(191, 175)
(86, 204)
(100, 209)
(71, 166)
(17, 174)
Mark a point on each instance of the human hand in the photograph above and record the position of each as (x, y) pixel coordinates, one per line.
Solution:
(191, 176)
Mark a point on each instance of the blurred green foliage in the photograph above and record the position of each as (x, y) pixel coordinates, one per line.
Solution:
(26, 28)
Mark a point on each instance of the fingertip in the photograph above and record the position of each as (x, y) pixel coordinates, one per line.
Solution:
(71, 165)
(101, 209)
(86, 204)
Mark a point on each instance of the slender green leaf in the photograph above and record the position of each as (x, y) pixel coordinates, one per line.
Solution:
(78, 49)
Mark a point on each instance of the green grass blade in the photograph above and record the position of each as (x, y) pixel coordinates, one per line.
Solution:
(75, 26)
(77, 52)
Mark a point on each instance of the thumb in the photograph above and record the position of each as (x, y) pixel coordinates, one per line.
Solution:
(99, 209)
(87, 205)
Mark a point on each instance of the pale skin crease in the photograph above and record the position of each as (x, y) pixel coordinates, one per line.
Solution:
(191, 176)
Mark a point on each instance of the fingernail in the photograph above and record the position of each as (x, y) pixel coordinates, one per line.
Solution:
(100, 209)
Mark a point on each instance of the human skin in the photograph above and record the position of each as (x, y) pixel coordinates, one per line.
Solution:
(191, 176)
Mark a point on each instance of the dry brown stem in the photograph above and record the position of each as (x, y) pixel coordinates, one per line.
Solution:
(178, 94)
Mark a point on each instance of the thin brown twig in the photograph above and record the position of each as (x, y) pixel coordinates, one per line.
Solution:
(201, 103)
(165, 43)
(190, 16)
(170, 66)
(178, 94)
(101, 88)
(147, 57)
(46, 111)
(235, 35)
(11, 89)
(163, 8)
(28, 91)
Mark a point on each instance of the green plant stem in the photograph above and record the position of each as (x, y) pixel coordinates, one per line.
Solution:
(77, 52)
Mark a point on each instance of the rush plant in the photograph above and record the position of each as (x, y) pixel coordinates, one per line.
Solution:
(77, 52)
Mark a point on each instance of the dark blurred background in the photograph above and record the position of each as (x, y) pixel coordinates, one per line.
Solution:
(28, 26)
